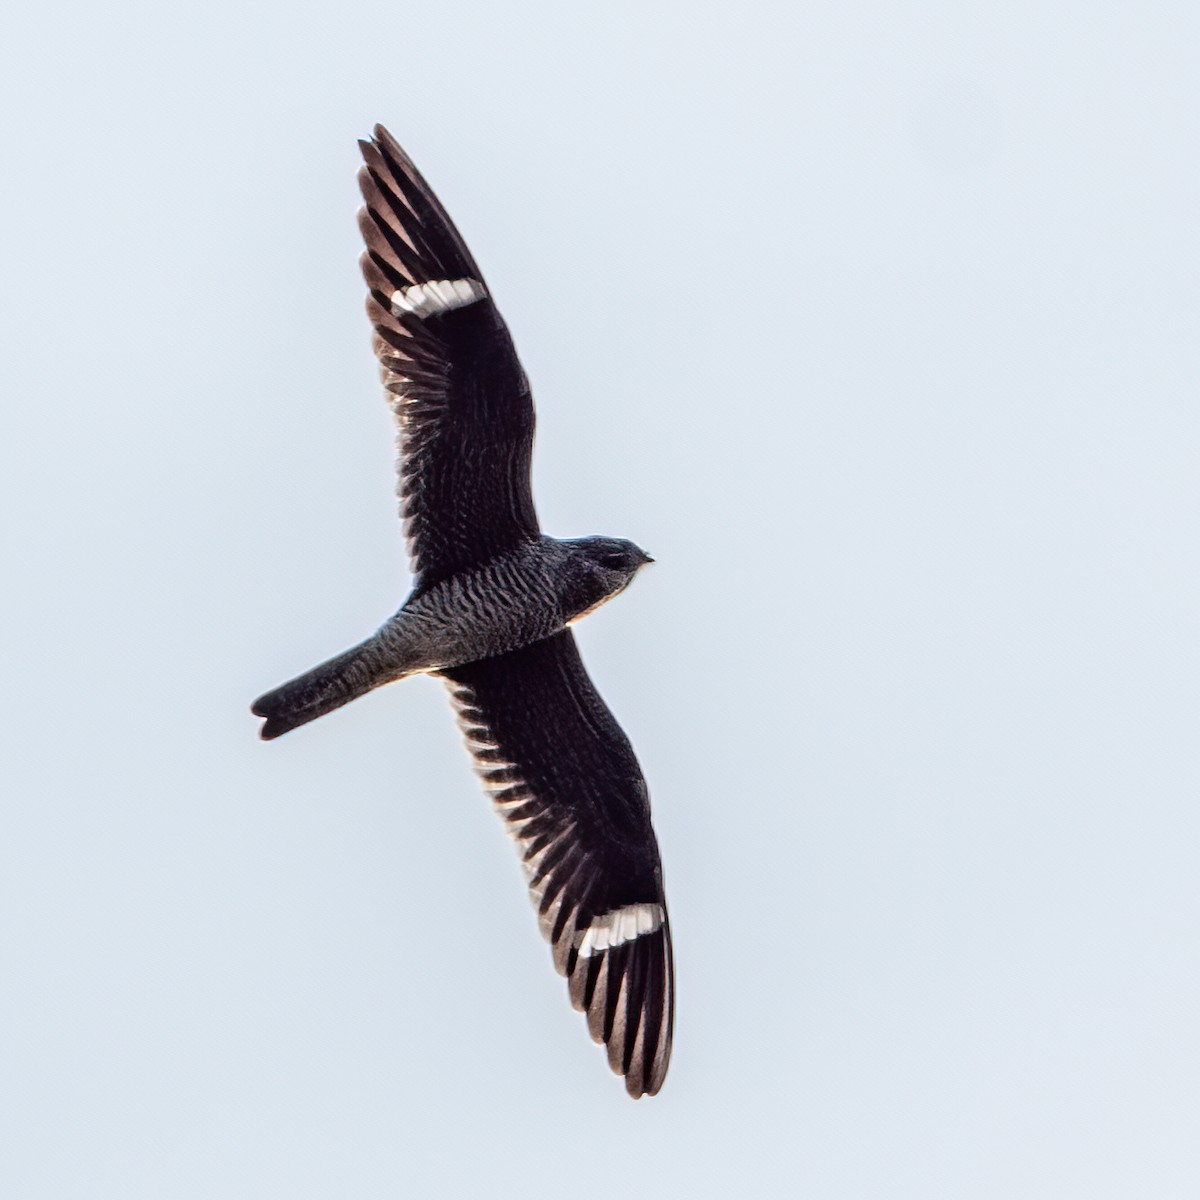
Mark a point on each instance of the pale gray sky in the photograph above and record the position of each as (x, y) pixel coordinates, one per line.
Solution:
(876, 324)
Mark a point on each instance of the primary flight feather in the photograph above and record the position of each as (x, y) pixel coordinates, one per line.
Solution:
(489, 613)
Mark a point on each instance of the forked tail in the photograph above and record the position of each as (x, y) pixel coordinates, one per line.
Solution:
(325, 688)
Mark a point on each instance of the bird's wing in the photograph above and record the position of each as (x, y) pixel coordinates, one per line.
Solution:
(564, 777)
(463, 409)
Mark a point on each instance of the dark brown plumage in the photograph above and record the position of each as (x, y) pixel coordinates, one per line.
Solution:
(489, 612)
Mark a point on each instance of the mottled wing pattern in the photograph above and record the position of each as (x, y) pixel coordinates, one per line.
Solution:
(462, 404)
(564, 777)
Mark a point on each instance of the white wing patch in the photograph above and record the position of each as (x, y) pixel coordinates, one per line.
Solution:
(633, 1025)
(619, 926)
(437, 296)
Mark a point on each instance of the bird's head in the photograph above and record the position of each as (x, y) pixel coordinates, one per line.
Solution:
(614, 554)
(606, 566)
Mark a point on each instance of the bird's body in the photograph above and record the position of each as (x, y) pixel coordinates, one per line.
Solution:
(489, 613)
(523, 595)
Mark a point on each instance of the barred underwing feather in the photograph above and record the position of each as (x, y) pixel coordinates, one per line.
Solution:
(582, 827)
(464, 413)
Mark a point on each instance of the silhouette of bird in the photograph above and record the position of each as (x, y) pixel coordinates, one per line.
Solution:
(489, 613)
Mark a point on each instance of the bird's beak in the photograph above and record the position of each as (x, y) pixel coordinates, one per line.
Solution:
(646, 558)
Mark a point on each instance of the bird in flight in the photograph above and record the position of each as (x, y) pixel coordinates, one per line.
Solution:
(489, 613)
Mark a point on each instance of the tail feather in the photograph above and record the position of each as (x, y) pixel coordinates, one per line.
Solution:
(324, 688)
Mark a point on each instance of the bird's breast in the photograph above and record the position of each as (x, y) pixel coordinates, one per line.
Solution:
(510, 602)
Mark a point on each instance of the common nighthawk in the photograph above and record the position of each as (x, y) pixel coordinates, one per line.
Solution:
(489, 613)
